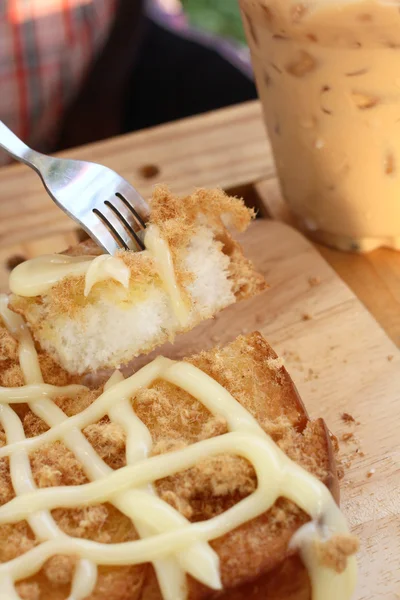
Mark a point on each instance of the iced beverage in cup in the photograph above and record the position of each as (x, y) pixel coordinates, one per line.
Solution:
(328, 75)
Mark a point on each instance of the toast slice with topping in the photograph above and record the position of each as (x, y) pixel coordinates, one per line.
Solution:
(255, 559)
(86, 326)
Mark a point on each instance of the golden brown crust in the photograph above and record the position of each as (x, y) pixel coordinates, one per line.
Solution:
(252, 555)
(246, 281)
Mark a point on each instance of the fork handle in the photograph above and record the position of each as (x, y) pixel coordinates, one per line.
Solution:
(17, 149)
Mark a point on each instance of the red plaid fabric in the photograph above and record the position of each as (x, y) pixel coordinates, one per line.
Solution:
(46, 47)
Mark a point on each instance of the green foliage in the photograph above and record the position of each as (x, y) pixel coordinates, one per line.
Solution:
(217, 16)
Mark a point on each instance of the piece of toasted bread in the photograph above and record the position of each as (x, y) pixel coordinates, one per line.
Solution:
(114, 324)
(255, 560)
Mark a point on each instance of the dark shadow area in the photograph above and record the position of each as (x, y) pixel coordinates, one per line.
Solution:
(176, 77)
(147, 75)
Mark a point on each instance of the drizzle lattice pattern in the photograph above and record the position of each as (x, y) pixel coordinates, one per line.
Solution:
(168, 540)
(198, 559)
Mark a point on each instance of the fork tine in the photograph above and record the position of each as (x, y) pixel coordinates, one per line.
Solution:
(114, 219)
(111, 228)
(126, 224)
(136, 215)
(134, 200)
(99, 232)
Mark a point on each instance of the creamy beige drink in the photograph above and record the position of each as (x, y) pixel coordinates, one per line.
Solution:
(328, 74)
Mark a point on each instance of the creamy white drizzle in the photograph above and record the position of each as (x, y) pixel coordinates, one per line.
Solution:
(175, 546)
(42, 523)
(37, 276)
(106, 267)
(161, 254)
(171, 575)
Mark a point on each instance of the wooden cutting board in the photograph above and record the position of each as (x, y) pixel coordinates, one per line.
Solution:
(342, 362)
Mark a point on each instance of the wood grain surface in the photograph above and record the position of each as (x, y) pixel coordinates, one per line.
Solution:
(226, 148)
(342, 362)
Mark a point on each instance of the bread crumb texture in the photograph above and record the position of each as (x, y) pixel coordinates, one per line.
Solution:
(114, 324)
(250, 370)
(335, 552)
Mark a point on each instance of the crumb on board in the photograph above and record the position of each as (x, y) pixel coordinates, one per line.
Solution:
(311, 374)
(352, 450)
(347, 418)
(292, 356)
(216, 339)
(340, 472)
(390, 357)
(339, 467)
(293, 359)
(306, 317)
(346, 461)
(313, 281)
(370, 472)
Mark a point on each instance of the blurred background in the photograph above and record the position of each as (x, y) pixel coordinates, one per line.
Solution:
(195, 50)
(221, 17)
(78, 71)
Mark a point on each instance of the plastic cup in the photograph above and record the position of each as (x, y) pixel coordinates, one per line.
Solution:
(328, 75)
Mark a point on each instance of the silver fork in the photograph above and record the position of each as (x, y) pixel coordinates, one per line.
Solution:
(104, 204)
